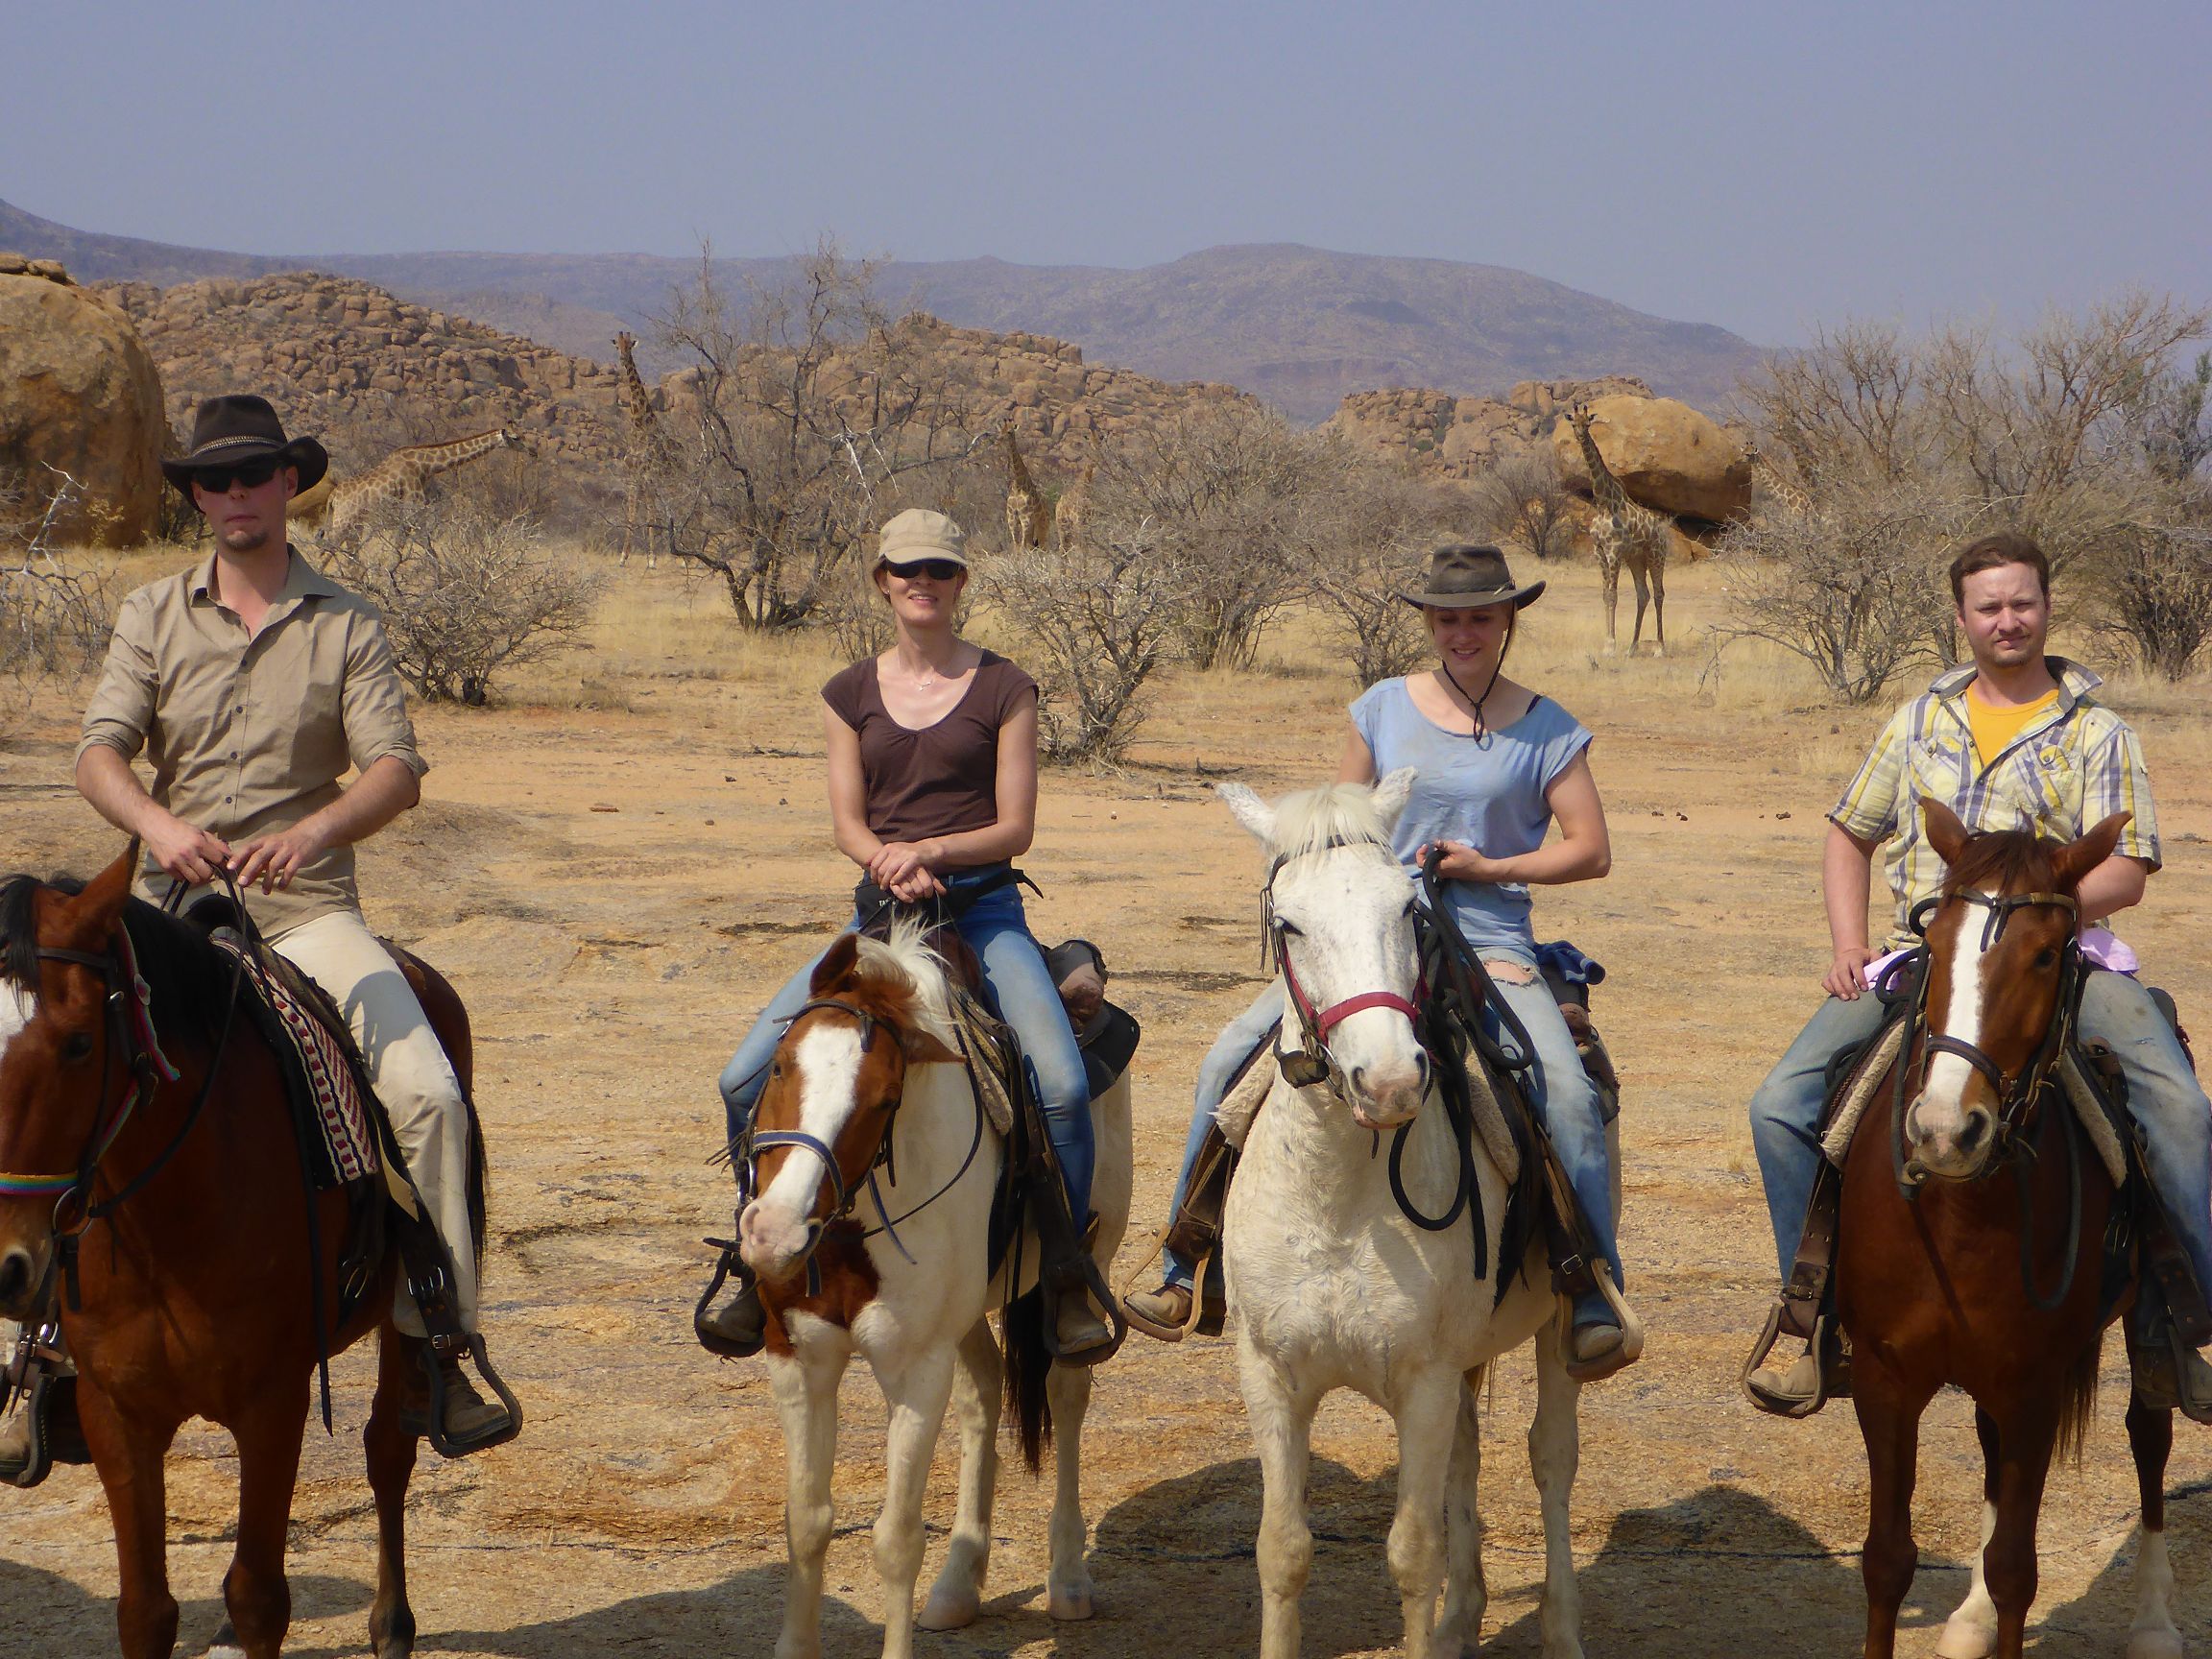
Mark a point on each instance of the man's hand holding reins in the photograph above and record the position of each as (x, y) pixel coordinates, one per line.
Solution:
(186, 854)
(1847, 975)
(274, 860)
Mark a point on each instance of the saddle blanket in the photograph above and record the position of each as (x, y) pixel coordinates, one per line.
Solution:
(1866, 1078)
(347, 1152)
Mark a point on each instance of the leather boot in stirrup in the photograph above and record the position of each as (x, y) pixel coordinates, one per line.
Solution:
(729, 1320)
(1164, 1313)
(2171, 1376)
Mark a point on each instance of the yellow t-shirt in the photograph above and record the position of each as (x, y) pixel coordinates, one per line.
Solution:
(1994, 728)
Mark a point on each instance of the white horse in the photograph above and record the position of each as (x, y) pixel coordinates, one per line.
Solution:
(1333, 1287)
(911, 1298)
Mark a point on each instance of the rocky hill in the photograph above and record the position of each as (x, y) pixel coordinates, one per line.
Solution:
(368, 371)
(1438, 436)
(1300, 326)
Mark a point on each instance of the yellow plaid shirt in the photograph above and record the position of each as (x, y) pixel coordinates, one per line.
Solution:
(2073, 765)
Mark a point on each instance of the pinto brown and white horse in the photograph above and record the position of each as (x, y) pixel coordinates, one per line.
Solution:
(875, 1171)
(194, 1294)
(1971, 1237)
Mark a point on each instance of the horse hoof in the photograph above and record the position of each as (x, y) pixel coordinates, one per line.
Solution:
(224, 1645)
(949, 1609)
(1966, 1638)
(2154, 1644)
(1068, 1602)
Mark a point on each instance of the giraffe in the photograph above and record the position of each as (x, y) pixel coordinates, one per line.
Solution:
(1766, 476)
(1028, 515)
(652, 460)
(1073, 508)
(337, 505)
(1630, 534)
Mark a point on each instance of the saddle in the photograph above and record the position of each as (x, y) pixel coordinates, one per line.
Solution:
(2139, 1247)
(1031, 1199)
(1510, 1128)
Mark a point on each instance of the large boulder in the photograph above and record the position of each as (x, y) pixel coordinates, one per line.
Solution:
(79, 392)
(1666, 455)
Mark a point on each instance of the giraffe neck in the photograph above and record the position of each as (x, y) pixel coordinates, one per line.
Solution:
(407, 467)
(1602, 484)
(1021, 481)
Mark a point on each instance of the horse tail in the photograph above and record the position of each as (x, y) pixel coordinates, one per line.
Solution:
(2077, 1406)
(479, 1207)
(1028, 1365)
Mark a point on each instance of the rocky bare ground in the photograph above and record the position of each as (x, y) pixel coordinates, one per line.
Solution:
(616, 873)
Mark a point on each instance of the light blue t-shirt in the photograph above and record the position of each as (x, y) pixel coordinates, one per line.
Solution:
(1488, 793)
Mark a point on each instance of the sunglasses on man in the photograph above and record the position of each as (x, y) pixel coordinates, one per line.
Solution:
(217, 480)
(936, 569)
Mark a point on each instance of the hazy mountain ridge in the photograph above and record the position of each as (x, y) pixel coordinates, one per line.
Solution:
(1300, 326)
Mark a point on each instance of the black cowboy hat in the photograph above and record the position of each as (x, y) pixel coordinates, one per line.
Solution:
(231, 430)
(1462, 575)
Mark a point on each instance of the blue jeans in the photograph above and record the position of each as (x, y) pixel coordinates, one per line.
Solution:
(2162, 1093)
(1560, 1090)
(1020, 990)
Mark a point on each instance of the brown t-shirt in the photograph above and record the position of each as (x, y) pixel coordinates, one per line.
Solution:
(943, 779)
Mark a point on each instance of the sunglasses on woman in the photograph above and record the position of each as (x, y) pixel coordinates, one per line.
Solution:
(217, 480)
(936, 569)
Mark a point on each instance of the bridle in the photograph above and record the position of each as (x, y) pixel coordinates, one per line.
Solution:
(844, 1198)
(2017, 1091)
(1311, 1063)
(2015, 1146)
(130, 1034)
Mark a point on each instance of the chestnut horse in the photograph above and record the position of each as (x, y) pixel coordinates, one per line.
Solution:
(874, 1169)
(1971, 1240)
(192, 1296)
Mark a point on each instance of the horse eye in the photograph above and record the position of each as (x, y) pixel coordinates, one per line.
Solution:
(1290, 927)
(2046, 959)
(79, 1047)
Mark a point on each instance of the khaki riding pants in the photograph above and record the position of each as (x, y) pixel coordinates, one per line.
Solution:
(411, 1074)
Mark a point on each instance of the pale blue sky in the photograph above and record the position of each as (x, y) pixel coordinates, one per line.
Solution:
(1762, 167)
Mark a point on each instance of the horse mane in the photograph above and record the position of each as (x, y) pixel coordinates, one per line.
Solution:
(1335, 815)
(182, 970)
(2003, 860)
(903, 965)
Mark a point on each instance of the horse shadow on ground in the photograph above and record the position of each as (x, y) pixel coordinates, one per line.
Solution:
(2097, 1621)
(51, 1614)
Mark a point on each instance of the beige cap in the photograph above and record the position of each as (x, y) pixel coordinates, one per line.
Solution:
(921, 534)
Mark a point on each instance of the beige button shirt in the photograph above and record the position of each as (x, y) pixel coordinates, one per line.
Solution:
(249, 736)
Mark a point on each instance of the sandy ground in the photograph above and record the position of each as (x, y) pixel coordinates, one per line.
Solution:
(619, 865)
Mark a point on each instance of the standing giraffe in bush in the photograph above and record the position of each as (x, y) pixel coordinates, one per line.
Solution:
(1627, 532)
(651, 461)
(1028, 515)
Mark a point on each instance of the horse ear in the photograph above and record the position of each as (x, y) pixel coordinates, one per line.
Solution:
(2080, 856)
(93, 913)
(924, 1049)
(1392, 793)
(1945, 832)
(1249, 810)
(836, 964)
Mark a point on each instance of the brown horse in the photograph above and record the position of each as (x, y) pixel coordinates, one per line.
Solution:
(1972, 1238)
(193, 1295)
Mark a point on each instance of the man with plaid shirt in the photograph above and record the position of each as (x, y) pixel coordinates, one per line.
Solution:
(2016, 741)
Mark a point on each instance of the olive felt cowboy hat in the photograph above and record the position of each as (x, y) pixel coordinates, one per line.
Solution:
(238, 429)
(1464, 574)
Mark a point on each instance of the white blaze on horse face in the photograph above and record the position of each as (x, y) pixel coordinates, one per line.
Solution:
(774, 1232)
(17, 1009)
(1939, 1113)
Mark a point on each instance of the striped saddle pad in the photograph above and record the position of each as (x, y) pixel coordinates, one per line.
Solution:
(320, 1070)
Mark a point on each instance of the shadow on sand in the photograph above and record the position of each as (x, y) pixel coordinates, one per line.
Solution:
(49, 1614)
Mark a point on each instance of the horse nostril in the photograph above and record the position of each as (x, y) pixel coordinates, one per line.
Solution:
(14, 1276)
(1977, 1125)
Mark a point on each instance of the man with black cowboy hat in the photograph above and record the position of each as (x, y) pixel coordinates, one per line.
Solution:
(253, 683)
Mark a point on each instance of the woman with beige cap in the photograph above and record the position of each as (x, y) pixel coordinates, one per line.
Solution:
(1497, 765)
(932, 756)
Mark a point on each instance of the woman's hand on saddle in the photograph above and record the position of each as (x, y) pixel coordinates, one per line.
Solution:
(274, 860)
(1847, 975)
(1460, 862)
(186, 853)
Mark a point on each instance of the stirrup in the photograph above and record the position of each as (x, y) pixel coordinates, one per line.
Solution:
(434, 1429)
(43, 1385)
(1080, 1276)
(727, 1266)
(1830, 1370)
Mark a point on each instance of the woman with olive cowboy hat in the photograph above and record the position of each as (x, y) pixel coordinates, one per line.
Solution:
(932, 760)
(1495, 765)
